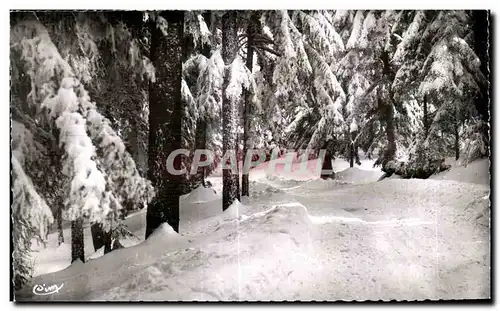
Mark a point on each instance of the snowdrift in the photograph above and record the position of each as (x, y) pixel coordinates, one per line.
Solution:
(358, 176)
(200, 195)
(244, 258)
(303, 171)
(477, 172)
(300, 240)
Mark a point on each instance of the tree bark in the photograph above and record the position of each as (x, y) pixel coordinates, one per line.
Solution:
(100, 238)
(135, 145)
(327, 166)
(230, 180)
(426, 123)
(60, 238)
(201, 143)
(391, 139)
(353, 154)
(456, 127)
(77, 241)
(165, 121)
(201, 127)
(482, 28)
(387, 113)
(251, 31)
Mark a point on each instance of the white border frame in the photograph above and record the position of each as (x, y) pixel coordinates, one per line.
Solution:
(197, 4)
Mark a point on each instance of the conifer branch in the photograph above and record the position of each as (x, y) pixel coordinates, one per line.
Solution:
(30, 124)
(269, 50)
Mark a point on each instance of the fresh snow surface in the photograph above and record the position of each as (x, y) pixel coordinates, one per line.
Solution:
(201, 195)
(307, 170)
(350, 238)
(477, 172)
(356, 175)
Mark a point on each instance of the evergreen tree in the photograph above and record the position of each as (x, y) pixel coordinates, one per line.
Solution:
(252, 40)
(165, 119)
(94, 175)
(230, 118)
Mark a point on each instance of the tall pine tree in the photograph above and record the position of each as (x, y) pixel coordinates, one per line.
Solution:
(230, 117)
(165, 118)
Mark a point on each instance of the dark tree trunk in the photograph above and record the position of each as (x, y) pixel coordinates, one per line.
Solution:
(391, 139)
(426, 123)
(134, 145)
(482, 27)
(60, 237)
(351, 157)
(100, 238)
(165, 121)
(77, 241)
(230, 180)
(387, 113)
(326, 166)
(201, 143)
(206, 48)
(371, 137)
(201, 127)
(353, 149)
(107, 244)
(456, 127)
(251, 31)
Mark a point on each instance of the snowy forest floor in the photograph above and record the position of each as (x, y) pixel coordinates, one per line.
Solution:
(297, 238)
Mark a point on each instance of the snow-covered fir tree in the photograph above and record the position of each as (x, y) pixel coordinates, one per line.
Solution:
(80, 148)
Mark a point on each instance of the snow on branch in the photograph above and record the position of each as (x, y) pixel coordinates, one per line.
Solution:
(88, 185)
(411, 34)
(209, 84)
(316, 34)
(195, 25)
(99, 175)
(239, 77)
(27, 204)
(356, 30)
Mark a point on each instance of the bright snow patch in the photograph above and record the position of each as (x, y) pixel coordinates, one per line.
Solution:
(477, 172)
(201, 195)
(300, 240)
(359, 176)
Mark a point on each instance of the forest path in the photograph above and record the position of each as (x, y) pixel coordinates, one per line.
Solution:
(404, 239)
(347, 239)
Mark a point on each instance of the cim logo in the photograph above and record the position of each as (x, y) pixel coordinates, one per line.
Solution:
(42, 290)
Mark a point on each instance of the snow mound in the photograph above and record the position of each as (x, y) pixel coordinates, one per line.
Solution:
(322, 240)
(98, 253)
(358, 176)
(477, 172)
(299, 170)
(260, 257)
(165, 236)
(233, 211)
(266, 190)
(201, 195)
(164, 230)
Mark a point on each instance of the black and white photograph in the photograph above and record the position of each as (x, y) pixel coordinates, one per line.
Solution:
(287, 155)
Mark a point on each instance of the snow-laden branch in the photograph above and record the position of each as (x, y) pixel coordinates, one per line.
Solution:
(97, 177)
(27, 204)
